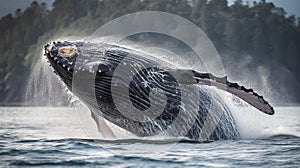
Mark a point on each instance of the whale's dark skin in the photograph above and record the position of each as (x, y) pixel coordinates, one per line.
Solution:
(85, 61)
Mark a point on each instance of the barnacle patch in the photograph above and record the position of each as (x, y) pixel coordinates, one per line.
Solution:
(51, 47)
(67, 51)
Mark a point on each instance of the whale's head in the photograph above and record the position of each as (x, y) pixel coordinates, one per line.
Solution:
(78, 64)
(79, 61)
(62, 56)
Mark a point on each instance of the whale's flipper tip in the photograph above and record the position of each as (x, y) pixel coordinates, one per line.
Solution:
(247, 95)
(252, 98)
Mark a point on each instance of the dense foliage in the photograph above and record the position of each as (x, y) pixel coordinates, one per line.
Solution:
(260, 30)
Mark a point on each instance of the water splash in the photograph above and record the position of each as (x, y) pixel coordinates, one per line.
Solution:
(44, 88)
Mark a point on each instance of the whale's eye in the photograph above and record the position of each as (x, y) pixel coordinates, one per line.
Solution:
(67, 51)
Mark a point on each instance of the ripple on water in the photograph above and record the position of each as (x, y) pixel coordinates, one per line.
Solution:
(22, 145)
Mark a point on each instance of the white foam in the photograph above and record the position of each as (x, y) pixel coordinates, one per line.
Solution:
(253, 124)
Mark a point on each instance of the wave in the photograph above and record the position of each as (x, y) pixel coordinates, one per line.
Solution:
(51, 163)
(284, 136)
(87, 142)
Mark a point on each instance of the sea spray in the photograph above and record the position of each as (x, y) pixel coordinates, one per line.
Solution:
(44, 88)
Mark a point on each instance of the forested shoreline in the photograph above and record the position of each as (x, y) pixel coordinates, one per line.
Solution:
(259, 32)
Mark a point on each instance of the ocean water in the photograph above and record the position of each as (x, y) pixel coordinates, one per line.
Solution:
(55, 137)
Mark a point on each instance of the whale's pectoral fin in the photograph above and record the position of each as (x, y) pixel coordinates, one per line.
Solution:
(248, 95)
(102, 126)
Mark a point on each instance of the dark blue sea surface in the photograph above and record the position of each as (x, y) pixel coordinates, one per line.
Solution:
(54, 137)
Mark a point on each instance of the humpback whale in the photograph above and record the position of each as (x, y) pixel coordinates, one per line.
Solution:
(145, 95)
